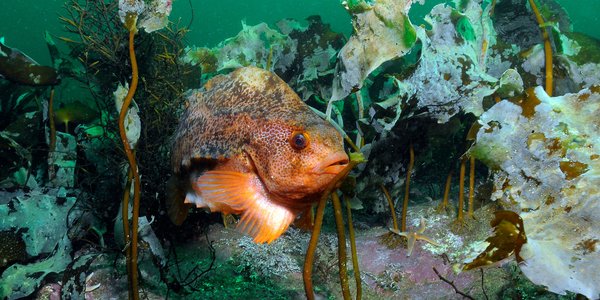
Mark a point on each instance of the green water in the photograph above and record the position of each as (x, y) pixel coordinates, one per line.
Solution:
(23, 22)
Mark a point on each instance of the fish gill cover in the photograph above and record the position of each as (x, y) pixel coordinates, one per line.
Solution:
(504, 93)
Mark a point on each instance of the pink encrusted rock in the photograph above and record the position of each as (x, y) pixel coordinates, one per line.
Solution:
(412, 275)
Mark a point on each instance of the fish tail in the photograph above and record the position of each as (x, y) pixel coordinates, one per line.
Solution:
(177, 189)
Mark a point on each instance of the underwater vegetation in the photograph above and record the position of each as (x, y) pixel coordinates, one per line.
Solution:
(262, 131)
(20, 68)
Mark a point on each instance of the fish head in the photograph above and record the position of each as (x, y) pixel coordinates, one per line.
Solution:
(297, 161)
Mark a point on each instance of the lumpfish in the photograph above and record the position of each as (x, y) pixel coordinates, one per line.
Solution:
(247, 144)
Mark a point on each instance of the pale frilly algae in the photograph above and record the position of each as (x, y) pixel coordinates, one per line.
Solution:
(452, 73)
(456, 69)
(132, 122)
(43, 220)
(157, 15)
(153, 14)
(257, 45)
(585, 72)
(547, 168)
(382, 32)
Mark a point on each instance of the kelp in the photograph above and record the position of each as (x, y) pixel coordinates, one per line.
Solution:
(16, 66)
(509, 236)
(545, 159)
(382, 32)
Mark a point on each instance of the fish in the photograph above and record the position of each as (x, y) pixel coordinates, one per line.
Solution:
(248, 145)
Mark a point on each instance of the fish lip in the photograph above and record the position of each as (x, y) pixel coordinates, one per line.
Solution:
(332, 164)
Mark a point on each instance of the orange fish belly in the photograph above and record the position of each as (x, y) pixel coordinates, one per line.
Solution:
(233, 192)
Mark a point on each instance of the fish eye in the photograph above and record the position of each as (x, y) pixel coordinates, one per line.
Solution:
(299, 140)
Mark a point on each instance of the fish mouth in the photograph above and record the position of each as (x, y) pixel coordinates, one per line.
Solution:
(332, 164)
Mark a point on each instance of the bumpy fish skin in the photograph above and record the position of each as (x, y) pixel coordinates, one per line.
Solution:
(222, 116)
(234, 147)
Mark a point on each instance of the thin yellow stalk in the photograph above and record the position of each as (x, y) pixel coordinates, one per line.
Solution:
(355, 265)
(407, 187)
(471, 186)
(339, 224)
(547, 48)
(133, 272)
(461, 191)
(391, 204)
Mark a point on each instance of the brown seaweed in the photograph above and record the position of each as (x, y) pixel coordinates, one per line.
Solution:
(20, 68)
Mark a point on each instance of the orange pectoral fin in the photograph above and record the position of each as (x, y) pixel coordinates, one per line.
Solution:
(224, 191)
(234, 192)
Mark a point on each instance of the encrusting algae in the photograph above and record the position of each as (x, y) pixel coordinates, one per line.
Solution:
(247, 144)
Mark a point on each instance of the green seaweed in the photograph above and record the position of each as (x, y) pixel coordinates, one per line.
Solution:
(463, 25)
(410, 34)
(233, 283)
(590, 48)
(465, 29)
(462, 4)
(357, 6)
